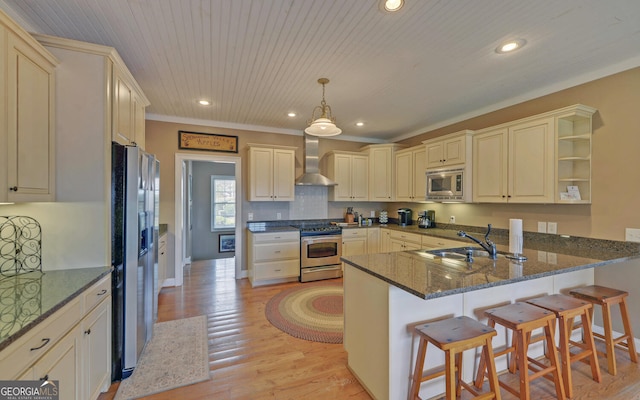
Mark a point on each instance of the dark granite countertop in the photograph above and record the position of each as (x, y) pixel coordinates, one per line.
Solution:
(28, 299)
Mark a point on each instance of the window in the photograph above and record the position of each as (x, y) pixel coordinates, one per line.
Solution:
(223, 202)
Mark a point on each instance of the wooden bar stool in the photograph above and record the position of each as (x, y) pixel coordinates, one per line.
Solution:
(454, 336)
(606, 297)
(566, 309)
(522, 319)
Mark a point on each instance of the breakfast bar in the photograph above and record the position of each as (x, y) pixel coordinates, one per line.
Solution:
(386, 294)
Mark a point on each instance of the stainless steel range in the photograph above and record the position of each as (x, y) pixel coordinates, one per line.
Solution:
(320, 251)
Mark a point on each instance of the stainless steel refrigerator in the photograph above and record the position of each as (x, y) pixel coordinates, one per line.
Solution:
(133, 225)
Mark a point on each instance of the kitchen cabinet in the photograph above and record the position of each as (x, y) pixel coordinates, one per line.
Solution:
(432, 242)
(273, 257)
(354, 241)
(271, 173)
(350, 170)
(573, 132)
(162, 261)
(27, 120)
(385, 240)
(128, 109)
(72, 346)
(410, 173)
(403, 241)
(448, 150)
(381, 168)
(373, 240)
(515, 163)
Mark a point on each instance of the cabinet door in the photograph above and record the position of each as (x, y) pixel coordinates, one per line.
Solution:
(354, 246)
(122, 111)
(342, 176)
(396, 245)
(380, 174)
(490, 152)
(260, 174)
(531, 162)
(62, 363)
(419, 175)
(385, 241)
(30, 118)
(404, 176)
(138, 122)
(454, 151)
(435, 154)
(360, 178)
(96, 350)
(373, 240)
(284, 167)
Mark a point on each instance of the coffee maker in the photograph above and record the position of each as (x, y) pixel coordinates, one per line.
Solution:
(427, 219)
(404, 216)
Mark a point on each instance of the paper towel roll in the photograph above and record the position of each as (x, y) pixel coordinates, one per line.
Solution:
(515, 236)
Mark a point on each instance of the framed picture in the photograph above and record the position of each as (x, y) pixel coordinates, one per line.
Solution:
(207, 141)
(227, 243)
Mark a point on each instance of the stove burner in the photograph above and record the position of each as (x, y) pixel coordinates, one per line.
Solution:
(318, 229)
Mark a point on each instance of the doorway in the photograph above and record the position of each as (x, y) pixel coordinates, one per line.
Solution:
(181, 219)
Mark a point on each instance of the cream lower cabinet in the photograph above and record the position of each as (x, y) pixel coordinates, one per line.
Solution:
(432, 242)
(515, 163)
(27, 120)
(273, 257)
(354, 241)
(271, 173)
(72, 346)
(410, 170)
(401, 241)
(373, 240)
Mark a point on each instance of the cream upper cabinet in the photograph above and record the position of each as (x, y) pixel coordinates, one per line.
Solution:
(128, 109)
(381, 168)
(27, 130)
(350, 171)
(410, 169)
(515, 163)
(271, 173)
(449, 150)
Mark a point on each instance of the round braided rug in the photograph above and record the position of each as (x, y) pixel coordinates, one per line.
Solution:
(310, 312)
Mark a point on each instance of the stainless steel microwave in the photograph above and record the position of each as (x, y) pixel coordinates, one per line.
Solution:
(446, 185)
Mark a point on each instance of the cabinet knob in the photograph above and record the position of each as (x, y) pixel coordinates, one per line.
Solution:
(13, 189)
(503, 196)
(87, 332)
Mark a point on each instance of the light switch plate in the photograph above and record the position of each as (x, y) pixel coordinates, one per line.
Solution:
(552, 227)
(542, 227)
(250, 217)
(632, 235)
(278, 215)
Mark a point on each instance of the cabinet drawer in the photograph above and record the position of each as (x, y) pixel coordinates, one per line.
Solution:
(96, 293)
(354, 232)
(434, 242)
(273, 252)
(275, 270)
(276, 237)
(19, 355)
(407, 237)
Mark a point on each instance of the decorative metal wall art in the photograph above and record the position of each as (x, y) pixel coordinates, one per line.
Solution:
(20, 245)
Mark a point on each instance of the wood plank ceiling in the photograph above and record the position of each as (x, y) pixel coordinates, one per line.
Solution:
(401, 74)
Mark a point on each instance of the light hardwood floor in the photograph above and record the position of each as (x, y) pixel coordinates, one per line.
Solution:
(251, 359)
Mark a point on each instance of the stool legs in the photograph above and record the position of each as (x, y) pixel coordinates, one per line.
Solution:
(589, 350)
(417, 372)
(611, 342)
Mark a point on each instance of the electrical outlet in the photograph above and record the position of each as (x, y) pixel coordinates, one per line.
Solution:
(250, 217)
(452, 219)
(632, 235)
(542, 227)
(372, 214)
(278, 215)
(552, 227)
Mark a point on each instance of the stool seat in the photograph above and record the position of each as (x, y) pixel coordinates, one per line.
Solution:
(522, 319)
(607, 297)
(566, 308)
(454, 336)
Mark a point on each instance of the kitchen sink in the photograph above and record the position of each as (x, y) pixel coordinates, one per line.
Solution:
(463, 253)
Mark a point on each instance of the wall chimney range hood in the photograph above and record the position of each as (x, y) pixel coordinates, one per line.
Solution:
(311, 175)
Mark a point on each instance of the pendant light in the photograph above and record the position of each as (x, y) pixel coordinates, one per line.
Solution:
(325, 124)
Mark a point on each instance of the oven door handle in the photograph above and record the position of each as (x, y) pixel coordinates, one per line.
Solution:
(318, 269)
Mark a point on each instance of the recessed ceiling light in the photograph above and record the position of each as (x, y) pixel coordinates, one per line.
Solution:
(391, 5)
(510, 46)
(203, 102)
(359, 123)
(291, 114)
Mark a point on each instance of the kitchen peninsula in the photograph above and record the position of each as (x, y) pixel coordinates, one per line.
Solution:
(386, 294)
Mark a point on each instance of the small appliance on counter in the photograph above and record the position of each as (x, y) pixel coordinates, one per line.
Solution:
(384, 218)
(427, 219)
(405, 216)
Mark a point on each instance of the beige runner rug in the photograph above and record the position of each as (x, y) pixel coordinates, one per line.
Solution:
(177, 355)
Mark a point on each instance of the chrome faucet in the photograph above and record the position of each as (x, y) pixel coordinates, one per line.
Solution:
(488, 246)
